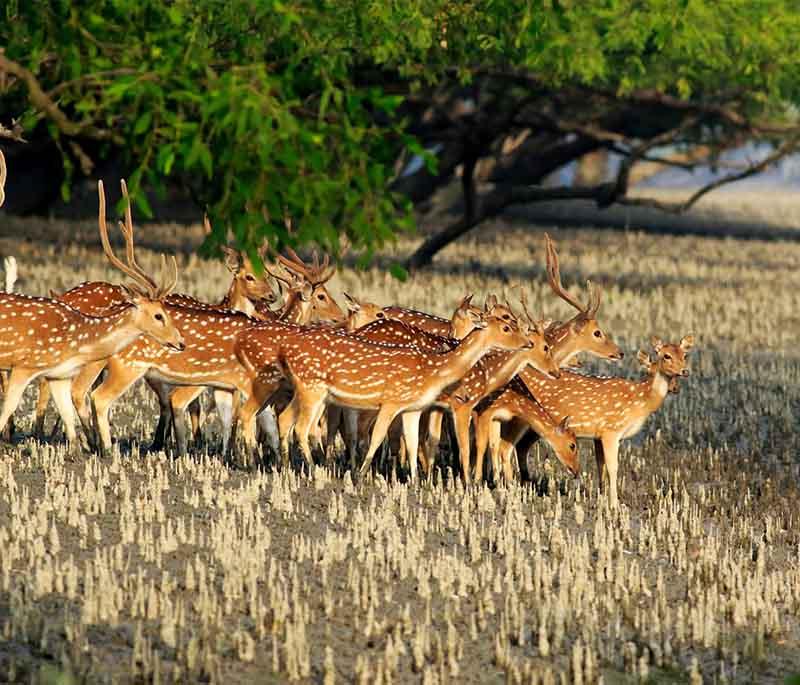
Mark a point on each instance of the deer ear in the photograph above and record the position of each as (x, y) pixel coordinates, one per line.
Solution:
(353, 305)
(233, 260)
(465, 302)
(643, 358)
(656, 343)
(563, 427)
(687, 342)
(491, 301)
(306, 291)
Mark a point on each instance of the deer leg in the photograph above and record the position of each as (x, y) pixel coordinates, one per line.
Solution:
(17, 382)
(268, 423)
(120, 377)
(600, 458)
(411, 435)
(432, 442)
(165, 415)
(194, 416)
(462, 417)
(523, 445)
(482, 427)
(41, 405)
(496, 447)
(286, 425)
(611, 452)
(179, 400)
(334, 426)
(308, 405)
(81, 385)
(224, 401)
(61, 390)
(384, 419)
(350, 433)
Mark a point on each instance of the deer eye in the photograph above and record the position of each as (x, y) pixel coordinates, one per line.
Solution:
(250, 277)
(507, 317)
(667, 357)
(159, 317)
(572, 446)
(546, 349)
(379, 315)
(598, 334)
(321, 297)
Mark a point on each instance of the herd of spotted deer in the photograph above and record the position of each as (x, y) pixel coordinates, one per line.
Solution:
(325, 372)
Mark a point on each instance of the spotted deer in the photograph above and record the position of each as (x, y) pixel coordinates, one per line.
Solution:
(396, 331)
(248, 293)
(45, 338)
(580, 334)
(608, 409)
(328, 367)
(458, 325)
(515, 402)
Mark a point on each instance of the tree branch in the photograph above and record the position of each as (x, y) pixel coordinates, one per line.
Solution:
(678, 207)
(40, 100)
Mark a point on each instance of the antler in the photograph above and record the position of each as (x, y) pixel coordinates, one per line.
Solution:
(554, 278)
(2, 178)
(127, 232)
(536, 325)
(316, 274)
(146, 284)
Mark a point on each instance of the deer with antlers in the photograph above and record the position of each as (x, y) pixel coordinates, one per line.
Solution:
(608, 410)
(580, 334)
(247, 293)
(42, 337)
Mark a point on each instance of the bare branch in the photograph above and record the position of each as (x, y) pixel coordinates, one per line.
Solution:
(678, 207)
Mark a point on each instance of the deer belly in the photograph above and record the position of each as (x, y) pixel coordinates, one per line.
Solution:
(67, 369)
(172, 377)
(634, 427)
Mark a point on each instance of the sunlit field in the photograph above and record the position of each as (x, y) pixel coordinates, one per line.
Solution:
(144, 568)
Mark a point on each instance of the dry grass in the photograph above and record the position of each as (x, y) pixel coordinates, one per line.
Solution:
(147, 569)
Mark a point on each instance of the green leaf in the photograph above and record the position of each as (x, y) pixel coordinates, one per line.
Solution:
(143, 123)
(398, 272)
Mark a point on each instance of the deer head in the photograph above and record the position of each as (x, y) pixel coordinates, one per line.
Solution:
(361, 313)
(565, 445)
(246, 283)
(588, 334)
(322, 306)
(671, 358)
(145, 295)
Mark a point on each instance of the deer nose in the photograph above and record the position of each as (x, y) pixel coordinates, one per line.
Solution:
(620, 355)
(685, 373)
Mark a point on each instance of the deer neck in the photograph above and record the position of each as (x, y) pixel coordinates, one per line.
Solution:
(296, 310)
(659, 387)
(459, 360)
(236, 300)
(109, 334)
(563, 345)
(509, 365)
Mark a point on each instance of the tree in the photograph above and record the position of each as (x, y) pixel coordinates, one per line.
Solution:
(312, 109)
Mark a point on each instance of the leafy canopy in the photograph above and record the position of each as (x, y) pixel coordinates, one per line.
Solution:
(269, 109)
